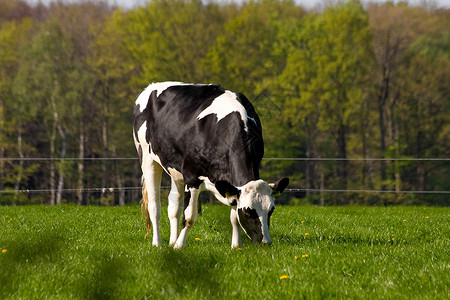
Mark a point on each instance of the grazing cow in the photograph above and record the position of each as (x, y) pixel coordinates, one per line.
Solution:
(206, 138)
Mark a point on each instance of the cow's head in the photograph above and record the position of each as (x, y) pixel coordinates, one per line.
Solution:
(255, 204)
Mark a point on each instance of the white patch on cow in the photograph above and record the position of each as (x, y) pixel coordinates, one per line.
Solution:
(160, 87)
(224, 105)
(256, 194)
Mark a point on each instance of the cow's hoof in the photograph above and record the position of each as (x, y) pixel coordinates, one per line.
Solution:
(178, 246)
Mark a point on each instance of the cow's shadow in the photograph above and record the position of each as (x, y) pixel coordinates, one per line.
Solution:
(184, 271)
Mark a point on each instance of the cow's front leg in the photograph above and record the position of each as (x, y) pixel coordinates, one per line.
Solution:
(236, 236)
(190, 215)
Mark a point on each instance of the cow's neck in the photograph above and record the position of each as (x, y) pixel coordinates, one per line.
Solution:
(243, 169)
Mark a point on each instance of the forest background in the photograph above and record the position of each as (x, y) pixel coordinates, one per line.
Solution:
(348, 81)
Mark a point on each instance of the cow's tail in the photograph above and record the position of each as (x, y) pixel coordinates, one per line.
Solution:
(144, 207)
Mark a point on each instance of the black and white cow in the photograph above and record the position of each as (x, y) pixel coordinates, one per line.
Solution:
(206, 138)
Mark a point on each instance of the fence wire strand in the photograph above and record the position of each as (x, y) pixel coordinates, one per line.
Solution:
(292, 190)
(265, 158)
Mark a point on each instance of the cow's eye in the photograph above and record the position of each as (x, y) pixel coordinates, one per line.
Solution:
(251, 213)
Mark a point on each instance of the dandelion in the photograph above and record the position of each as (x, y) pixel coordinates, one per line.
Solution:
(306, 234)
(427, 217)
(393, 239)
(404, 220)
(296, 257)
(284, 277)
(330, 237)
(197, 239)
(303, 222)
(305, 255)
(4, 250)
(239, 249)
(9, 221)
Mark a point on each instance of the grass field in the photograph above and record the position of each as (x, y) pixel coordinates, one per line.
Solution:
(70, 252)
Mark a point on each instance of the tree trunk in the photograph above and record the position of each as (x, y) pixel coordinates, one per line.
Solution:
(382, 98)
(105, 124)
(322, 185)
(398, 177)
(342, 153)
(81, 165)
(61, 170)
(105, 162)
(119, 185)
(2, 143)
(20, 169)
(52, 166)
(308, 162)
(420, 171)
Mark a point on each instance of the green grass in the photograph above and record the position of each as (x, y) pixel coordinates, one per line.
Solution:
(336, 252)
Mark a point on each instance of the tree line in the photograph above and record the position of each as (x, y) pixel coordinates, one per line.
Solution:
(348, 81)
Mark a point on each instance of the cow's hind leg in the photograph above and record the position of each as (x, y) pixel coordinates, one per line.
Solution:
(174, 208)
(152, 179)
(190, 215)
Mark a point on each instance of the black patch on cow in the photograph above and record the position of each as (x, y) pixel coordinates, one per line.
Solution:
(249, 220)
(269, 215)
(221, 150)
(187, 198)
(139, 119)
(140, 154)
(226, 189)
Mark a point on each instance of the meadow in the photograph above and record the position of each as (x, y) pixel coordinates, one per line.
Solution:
(71, 252)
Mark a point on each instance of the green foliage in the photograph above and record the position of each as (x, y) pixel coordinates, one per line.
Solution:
(335, 252)
(347, 81)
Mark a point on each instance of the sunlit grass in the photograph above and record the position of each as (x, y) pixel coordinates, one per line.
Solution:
(335, 252)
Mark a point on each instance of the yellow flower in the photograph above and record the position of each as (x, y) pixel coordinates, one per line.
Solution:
(303, 222)
(427, 217)
(9, 221)
(404, 220)
(306, 234)
(330, 237)
(284, 277)
(296, 257)
(305, 255)
(239, 249)
(197, 239)
(393, 239)
(4, 250)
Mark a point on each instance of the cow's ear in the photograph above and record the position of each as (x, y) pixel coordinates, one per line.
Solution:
(279, 186)
(226, 189)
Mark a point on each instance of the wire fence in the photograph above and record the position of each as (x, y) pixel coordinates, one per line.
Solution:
(266, 158)
(293, 190)
(290, 190)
